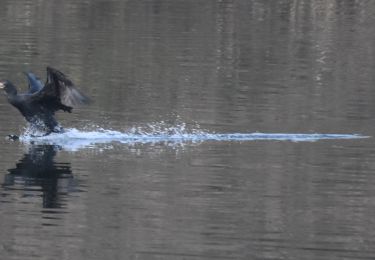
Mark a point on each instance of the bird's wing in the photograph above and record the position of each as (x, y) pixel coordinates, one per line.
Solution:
(64, 87)
(35, 84)
(60, 88)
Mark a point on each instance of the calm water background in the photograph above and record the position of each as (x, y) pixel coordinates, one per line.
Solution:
(222, 66)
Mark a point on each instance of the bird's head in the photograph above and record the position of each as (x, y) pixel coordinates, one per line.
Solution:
(8, 87)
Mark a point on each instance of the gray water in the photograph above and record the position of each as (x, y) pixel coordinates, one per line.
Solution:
(219, 130)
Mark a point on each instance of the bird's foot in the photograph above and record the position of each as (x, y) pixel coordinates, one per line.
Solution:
(58, 130)
(13, 137)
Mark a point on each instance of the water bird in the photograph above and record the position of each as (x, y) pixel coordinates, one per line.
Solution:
(39, 104)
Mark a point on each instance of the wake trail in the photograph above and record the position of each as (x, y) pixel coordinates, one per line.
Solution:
(74, 139)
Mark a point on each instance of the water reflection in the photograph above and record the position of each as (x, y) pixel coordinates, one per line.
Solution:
(37, 174)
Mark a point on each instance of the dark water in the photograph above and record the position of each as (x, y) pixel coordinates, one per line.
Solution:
(155, 168)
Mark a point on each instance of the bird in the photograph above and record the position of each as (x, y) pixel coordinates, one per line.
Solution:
(39, 104)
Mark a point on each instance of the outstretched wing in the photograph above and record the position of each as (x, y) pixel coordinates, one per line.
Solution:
(59, 92)
(58, 84)
(35, 84)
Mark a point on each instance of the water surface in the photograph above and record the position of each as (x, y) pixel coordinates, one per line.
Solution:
(219, 130)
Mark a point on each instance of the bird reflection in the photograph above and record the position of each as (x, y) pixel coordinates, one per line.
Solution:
(37, 172)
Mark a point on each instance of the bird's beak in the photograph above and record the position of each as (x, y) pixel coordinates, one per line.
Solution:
(2, 85)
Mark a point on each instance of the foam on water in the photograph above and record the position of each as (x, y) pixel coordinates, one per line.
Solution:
(73, 139)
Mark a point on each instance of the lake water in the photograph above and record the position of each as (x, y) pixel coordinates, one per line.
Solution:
(219, 130)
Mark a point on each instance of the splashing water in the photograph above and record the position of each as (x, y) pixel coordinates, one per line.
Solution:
(73, 139)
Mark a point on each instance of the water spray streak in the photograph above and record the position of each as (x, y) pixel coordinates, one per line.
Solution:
(74, 139)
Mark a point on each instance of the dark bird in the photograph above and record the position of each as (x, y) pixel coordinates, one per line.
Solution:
(40, 103)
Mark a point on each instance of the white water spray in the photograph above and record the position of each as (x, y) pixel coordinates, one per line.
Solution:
(73, 139)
